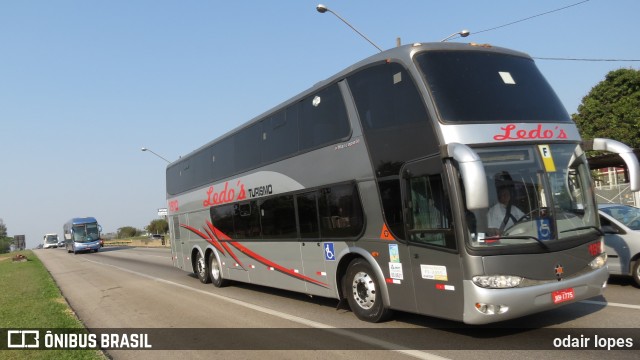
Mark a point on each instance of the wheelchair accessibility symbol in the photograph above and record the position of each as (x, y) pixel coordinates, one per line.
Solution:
(328, 252)
(544, 229)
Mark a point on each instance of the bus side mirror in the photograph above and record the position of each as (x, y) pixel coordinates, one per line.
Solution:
(474, 178)
(625, 152)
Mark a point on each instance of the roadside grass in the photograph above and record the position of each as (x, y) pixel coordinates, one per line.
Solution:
(30, 299)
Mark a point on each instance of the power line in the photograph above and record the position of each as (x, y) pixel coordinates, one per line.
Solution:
(530, 17)
(584, 59)
(556, 58)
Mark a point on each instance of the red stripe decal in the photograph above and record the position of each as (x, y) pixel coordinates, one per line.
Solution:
(220, 240)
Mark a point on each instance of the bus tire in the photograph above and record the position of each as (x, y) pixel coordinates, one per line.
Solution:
(215, 272)
(362, 292)
(201, 269)
(635, 272)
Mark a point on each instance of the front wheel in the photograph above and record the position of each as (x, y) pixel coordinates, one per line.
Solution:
(362, 290)
(215, 270)
(201, 269)
(635, 272)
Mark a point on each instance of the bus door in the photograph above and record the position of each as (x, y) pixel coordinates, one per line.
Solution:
(435, 261)
(313, 250)
(177, 241)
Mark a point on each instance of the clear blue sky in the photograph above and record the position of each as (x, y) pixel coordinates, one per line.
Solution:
(85, 84)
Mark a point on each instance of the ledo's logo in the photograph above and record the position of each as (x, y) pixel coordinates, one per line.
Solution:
(511, 132)
(225, 195)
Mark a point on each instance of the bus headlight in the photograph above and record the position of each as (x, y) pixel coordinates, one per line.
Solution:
(599, 261)
(497, 281)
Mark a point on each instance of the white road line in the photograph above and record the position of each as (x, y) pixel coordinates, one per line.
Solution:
(314, 324)
(602, 303)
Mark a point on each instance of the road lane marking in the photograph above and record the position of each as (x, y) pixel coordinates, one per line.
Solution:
(302, 321)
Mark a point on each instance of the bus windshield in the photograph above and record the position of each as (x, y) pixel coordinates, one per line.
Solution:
(537, 194)
(86, 233)
(478, 86)
(52, 239)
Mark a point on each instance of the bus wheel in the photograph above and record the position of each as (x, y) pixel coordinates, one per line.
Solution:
(201, 269)
(363, 295)
(215, 270)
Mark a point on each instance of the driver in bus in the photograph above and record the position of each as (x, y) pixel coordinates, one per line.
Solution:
(503, 214)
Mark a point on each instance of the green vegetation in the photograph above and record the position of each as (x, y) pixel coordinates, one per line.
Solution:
(612, 108)
(5, 244)
(31, 300)
(158, 226)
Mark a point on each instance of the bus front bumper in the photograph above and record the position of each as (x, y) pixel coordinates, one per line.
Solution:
(512, 303)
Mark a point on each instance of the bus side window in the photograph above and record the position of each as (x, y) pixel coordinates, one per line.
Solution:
(308, 215)
(222, 219)
(246, 220)
(430, 216)
(340, 211)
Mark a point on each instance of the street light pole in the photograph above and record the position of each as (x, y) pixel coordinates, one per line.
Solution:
(323, 9)
(151, 151)
(463, 33)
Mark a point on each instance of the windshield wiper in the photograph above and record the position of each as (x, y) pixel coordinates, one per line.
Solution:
(542, 243)
(585, 228)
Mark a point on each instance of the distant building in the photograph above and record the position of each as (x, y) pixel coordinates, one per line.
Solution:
(19, 243)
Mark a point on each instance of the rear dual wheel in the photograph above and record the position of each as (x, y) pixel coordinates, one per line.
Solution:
(215, 272)
(201, 269)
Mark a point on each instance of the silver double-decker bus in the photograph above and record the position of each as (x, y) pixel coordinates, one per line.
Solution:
(443, 179)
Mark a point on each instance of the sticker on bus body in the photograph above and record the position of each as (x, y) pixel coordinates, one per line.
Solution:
(395, 271)
(394, 253)
(329, 253)
(434, 272)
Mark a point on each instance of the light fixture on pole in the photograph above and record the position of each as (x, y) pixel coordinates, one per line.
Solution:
(323, 9)
(463, 33)
(151, 151)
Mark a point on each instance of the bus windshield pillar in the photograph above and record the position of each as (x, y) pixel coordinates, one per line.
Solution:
(473, 175)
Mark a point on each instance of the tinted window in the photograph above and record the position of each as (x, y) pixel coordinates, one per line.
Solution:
(247, 145)
(223, 158)
(393, 117)
(278, 218)
(246, 220)
(308, 215)
(396, 128)
(323, 119)
(316, 121)
(222, 219)
(280, 135)
(340, 211)
(484, 86)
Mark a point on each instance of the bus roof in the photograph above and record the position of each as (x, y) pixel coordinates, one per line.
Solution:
(85, 220)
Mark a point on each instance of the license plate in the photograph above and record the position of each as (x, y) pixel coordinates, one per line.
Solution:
(563, 295)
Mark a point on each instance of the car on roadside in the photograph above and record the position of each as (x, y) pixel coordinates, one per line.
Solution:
(621, 226)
